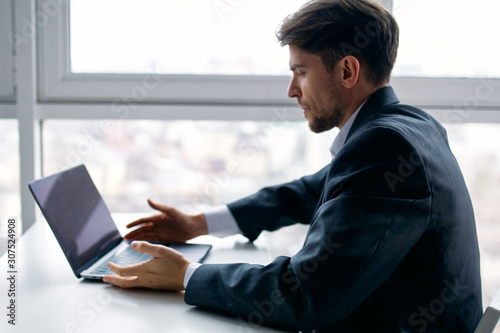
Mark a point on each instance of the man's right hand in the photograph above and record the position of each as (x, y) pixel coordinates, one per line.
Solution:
(170, 225)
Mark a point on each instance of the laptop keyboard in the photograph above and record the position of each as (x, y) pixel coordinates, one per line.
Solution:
(126, 258)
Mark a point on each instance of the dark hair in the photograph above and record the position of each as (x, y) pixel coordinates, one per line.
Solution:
(334, 29)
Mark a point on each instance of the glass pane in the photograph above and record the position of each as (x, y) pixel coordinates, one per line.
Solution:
(9, 178)
(6, 43)
(448, 38)
(222, 37)
(178, 37)
(476, 148)
(187, 164)
(194, 165)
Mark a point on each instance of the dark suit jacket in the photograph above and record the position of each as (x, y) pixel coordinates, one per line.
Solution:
(392, 244)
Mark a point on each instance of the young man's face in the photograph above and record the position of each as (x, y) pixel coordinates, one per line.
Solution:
(316, 90)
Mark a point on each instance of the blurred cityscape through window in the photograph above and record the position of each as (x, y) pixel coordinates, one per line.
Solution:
(198, 164)
(193, 164)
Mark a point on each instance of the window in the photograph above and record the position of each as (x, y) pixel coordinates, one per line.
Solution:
(183, 37)
(6, 37)
(9, 177)
(448, 38)
(476, 148)
(125, 61)
(193, 165)
(9, 158)
(172, 72)
(188, 164)
(223, 44)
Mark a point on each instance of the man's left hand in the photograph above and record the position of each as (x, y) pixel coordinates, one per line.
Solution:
(165, 270)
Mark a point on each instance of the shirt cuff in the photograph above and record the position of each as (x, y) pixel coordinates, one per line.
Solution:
(220, 222)
(189, 272)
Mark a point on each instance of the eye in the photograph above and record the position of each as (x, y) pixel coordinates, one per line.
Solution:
(301, 74)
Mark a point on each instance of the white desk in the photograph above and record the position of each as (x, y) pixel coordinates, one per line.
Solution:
(50, 299)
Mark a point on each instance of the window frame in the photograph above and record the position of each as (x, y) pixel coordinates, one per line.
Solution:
(43, 88)
(58, 85)
(7, 90)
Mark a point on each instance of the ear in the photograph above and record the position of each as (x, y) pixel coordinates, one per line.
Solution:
(350, 71)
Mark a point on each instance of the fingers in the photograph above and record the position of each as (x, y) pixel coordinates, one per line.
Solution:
(127, 271)
(145, 232)
(141, 268)
(154, 218)
(156, 251)
(126, 277)
(122, 282)
(139, 222)
(165, 271)
(149, 219)
(162, 208)
(138, 234)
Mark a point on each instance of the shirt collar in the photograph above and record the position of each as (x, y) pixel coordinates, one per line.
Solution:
(339, 141)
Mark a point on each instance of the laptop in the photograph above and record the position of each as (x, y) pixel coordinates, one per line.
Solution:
(83, 226)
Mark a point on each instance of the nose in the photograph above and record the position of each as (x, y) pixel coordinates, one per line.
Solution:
(294, 89)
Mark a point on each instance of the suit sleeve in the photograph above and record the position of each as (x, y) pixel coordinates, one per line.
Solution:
(277, 206)
(373, 215)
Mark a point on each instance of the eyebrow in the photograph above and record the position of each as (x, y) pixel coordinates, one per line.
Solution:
(294, 67)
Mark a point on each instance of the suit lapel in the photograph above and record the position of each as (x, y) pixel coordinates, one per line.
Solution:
(381, 98)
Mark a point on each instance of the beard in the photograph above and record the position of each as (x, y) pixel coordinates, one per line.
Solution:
(330, 116)
(326, 119)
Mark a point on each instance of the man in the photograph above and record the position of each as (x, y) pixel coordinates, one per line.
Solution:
(392, 244)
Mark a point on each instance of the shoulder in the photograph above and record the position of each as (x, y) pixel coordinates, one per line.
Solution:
(386, 155)
(397, 127)
(378, 142)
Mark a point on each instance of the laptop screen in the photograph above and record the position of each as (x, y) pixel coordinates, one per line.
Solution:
(76, 214)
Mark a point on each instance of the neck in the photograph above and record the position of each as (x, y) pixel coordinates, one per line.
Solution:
(357, 97)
